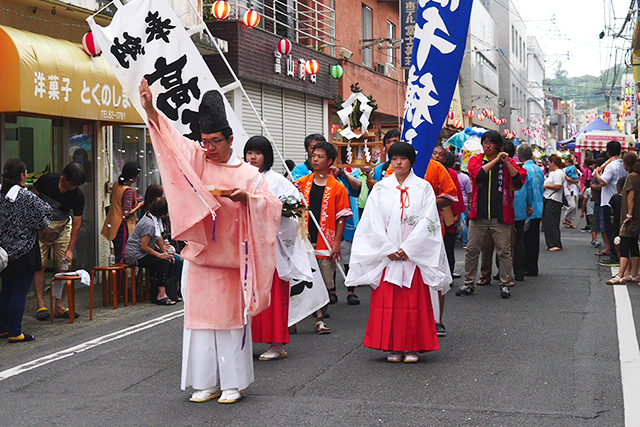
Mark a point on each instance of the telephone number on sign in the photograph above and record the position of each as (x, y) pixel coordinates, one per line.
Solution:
(113, 115)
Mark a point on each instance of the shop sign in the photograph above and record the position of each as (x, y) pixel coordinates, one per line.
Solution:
(285, 64)
(408, 10)
(110, 101)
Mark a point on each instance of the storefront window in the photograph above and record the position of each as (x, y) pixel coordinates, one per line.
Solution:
(133, 144)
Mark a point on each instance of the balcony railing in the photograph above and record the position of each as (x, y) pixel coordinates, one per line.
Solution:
(308, 22)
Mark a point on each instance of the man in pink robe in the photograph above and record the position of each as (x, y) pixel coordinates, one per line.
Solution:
(231, 255)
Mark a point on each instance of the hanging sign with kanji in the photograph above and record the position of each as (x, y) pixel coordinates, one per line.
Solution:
(440, 37)
(146, 39)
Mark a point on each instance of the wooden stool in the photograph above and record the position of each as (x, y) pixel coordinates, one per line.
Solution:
(134, 285)
(111, 289)
(145, 283)
(71, 295)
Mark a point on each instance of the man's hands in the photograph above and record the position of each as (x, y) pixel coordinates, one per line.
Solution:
(398, 256)
(336, 252)
(146, 100)
(238, 195)
(529, 210)
(68, 255)
(504, 157)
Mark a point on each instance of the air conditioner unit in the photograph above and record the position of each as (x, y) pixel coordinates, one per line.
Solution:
(384, 68)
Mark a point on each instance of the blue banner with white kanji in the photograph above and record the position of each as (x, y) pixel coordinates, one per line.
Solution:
(439, 43)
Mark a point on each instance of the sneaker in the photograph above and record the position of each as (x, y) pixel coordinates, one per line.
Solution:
(440, 330)
(595, 244)
(464, 290)
(609, 262)
(456, 275)
(504, 292)
(585, 230)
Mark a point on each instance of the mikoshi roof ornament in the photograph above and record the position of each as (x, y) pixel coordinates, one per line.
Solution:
(357, 99)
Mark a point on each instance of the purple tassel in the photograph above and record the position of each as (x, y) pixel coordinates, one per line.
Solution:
(213, 233)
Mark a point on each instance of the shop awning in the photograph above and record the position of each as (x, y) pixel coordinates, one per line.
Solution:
(52, 77)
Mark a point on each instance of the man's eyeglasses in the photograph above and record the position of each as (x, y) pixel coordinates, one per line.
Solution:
(486, 142)
(212, 142)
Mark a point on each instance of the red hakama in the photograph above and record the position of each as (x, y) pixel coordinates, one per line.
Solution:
(272, 324)
(401, 319)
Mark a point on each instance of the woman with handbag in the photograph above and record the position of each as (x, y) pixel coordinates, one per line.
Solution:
(552, 211)
(22, 215)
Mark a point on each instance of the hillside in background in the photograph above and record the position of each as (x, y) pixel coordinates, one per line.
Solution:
(587, 91)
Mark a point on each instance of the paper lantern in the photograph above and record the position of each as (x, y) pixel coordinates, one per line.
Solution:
(89, 45)
(485, 112)
(510, 136)
(506, 132)
(515, 133)
(284, 47)
(251, 18)
(221, 9)
(336, 71)
(481, 117)
(504, 121)
(311, 67)
(451, 115)
(457, 124)
(470, 114)
(490, 114)
(523, 130)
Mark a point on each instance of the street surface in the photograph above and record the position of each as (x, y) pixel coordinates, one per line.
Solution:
(549, 356)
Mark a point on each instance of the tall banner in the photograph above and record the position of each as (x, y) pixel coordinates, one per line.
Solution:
(146, 39)
(440, 38)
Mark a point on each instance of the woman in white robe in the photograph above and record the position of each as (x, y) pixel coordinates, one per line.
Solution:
(271, 326)
(398, 250)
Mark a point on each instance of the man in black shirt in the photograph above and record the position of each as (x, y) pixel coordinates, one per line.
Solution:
(61, 192)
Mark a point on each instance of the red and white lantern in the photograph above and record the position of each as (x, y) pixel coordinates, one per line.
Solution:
(89, 45)
(490, 114)
(311, 67)
(504, 121)
(221, 9)
(515, 133)
(470, 114)
(284, 47)
(510, 136)
(481, 117)
(251, 18)
(457, 124)
(451, 115)
(485, 112)
(506, 132)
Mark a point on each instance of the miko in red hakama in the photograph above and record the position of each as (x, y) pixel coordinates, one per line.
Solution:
(271, 325)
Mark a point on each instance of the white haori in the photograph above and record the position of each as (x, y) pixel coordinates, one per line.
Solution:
(292, 259)
(296, 261)
(213, 358)
(392, 221)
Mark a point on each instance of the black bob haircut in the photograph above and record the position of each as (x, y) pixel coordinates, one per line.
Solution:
(261, 144)
(493, 137)
(402, 149)
(329, 149)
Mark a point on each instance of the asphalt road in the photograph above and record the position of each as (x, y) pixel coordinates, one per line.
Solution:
(546, 357)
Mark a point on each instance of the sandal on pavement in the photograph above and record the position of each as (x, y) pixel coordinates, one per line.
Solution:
(273, 355)
(43, 314)
(632, 279)
(165, 301)
(200, 396)
(410, 357)
(616, 280)
(65, 314)
(321, 328)
(22, 338)
(231, 396)
(395, 357)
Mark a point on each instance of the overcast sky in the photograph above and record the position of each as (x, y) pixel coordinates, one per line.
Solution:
(575, 30)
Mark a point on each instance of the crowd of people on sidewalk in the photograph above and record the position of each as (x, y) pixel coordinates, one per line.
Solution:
(262, 246)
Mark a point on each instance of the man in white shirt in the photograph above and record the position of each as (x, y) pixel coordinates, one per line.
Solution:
(608, 174)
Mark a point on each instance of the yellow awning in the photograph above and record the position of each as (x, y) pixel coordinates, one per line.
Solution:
(52, 77)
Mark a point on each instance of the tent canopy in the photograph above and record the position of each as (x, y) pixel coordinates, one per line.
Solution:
(597, 124)
(598, 139)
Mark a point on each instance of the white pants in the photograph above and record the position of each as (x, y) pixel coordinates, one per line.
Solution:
(215, 358)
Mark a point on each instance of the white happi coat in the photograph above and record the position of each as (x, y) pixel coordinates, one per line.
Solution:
(386, 227)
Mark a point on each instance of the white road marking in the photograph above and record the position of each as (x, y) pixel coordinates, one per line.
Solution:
(629, 354)
(88, 345)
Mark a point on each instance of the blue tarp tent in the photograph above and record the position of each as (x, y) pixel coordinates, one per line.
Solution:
(569, 144)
